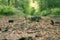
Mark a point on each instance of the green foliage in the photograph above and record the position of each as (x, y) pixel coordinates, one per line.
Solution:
(42, 5)
(3, 2)
(51, 12)
(53, 3)
(45, 12)
(22, 7)
(48, 4)
(55, 11)
(6, 11)
(10, 11)
(32, 11)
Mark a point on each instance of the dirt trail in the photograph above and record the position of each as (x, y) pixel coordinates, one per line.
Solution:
(15, 29)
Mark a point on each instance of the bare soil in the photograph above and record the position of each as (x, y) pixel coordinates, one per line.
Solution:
(18, 29)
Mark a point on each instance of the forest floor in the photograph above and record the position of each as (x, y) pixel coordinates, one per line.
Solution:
(47, 28)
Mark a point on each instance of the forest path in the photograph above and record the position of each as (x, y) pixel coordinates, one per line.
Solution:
(16, 29)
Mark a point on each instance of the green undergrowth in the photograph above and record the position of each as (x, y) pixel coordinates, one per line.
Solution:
(10, 11)
(51, 12)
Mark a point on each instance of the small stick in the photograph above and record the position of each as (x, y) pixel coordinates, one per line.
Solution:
(52, 22)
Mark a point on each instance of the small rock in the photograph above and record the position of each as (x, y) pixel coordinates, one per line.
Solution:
(11, 21)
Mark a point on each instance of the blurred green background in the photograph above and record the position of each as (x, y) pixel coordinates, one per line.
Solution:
(29, 8)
